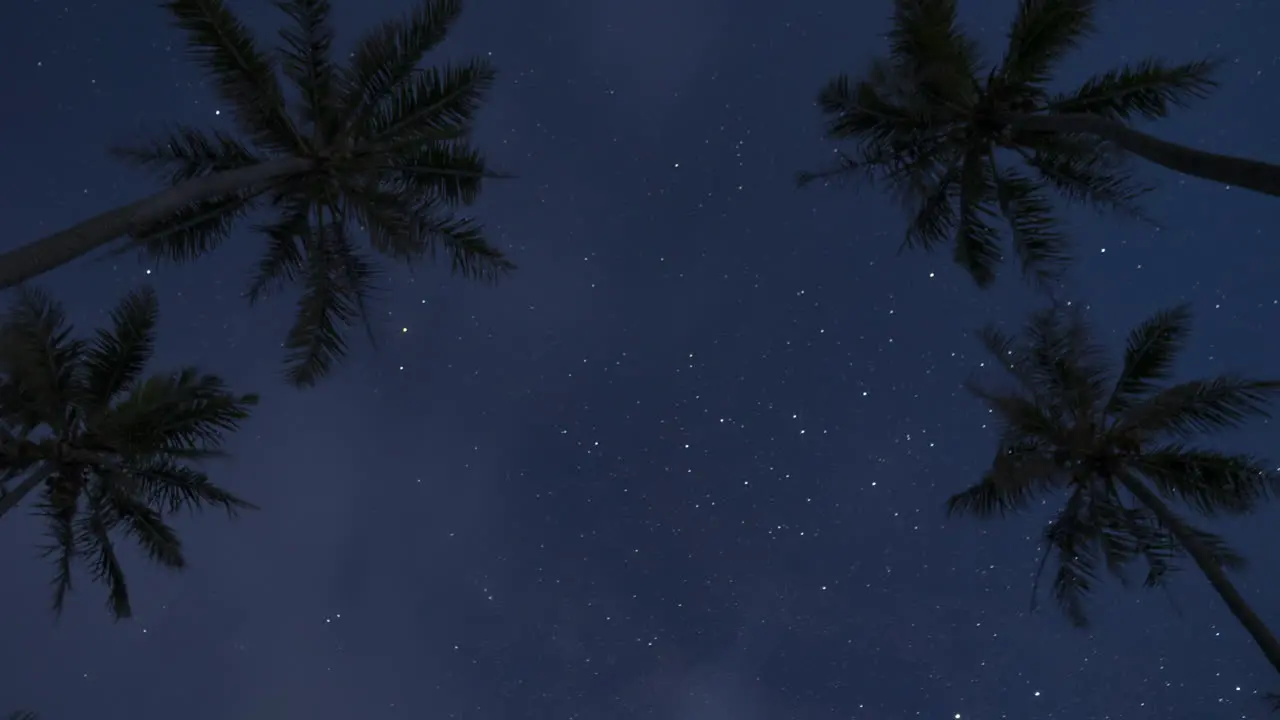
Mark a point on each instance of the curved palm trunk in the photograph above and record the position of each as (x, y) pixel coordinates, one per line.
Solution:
(36, 258)
(1241, 172)
(1211, 568)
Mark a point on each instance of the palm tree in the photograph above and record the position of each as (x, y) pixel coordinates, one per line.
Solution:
(1117, 445)
(379, 144)
(961, 146)
(111, 452)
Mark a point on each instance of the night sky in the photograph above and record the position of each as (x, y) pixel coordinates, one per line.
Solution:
(689, 461)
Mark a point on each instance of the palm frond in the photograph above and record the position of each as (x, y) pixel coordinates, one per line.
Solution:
(1020, 415)
(181, 414)
(39, 357)
(926, 42)
(842, 169)
(1042, 34)
(186, 152)
(388, 56)
(1018, 475)
(1041, 247)
(94, 544)
(141, 523)
(462, 240)
(1149, 540)
(193, 232)
(118, 356)
(306, 61)
(60, 517)
(1210, 481)
(1071, 540)
(144, 525)
(335, 287)
(388, 217)
(1199, 407)
(977, 247)
(1065, 360)
(171, 487)
(934, 220)
(449, 172)
(1004, 350)
(1151, 89)
(284, 260)
(244, 76)
(1086, 174)
(433, 105)
(1149, 354)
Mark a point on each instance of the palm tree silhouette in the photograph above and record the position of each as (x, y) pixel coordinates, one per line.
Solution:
(1118, 446)
(962, 147)
(379, 144)
(111, 452)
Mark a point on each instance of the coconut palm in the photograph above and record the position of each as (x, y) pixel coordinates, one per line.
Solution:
(1119, 447)
(106, 451)
(963, 146)
(378, 144)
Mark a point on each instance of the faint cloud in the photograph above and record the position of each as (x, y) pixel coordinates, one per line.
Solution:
(651, 52)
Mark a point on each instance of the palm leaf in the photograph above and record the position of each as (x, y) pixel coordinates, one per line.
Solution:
(1018, 475)
(1070, 539)
(284, 260)
(306, 62)
(1042, 34)
(389, 217)
(433, 105)
(38, 355)
(184, 153)
(193, 232)
(145, 526)
(1150, 89)
(1149, 354)
(336, 284)
(244, 76)
(451, 173)
(934, 220)
(1210, 481)
(977, 244)
(1065, 361)
(1021, 416)
(1085, 174)
(462, 241)
(93, 543)
(925, 41)
(118, 356)
(182, 414)
(388, 56)
(1042, 248)
(171, 487)
(60, 518)
(1199, 407)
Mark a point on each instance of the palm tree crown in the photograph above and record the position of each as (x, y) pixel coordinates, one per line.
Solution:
(378, 145)
(110, 451)
(933, 127)
(1117, 445)
(390, 149)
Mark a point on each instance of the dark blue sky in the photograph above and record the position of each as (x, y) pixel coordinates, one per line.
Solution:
(689, 462)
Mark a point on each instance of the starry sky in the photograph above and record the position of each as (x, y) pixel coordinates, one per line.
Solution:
(689, 462)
